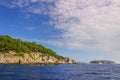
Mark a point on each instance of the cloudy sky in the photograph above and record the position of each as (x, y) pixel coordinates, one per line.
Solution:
(81, 29)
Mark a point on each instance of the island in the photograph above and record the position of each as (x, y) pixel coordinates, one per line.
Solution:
(16, 51)
(102, 62)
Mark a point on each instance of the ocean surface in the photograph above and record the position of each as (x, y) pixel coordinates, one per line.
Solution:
(60, 72)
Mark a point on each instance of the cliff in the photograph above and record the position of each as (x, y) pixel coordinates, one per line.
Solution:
(33, 58)
(16, 51)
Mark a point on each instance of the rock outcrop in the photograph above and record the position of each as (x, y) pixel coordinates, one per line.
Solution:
(33, 58)
(69, 61)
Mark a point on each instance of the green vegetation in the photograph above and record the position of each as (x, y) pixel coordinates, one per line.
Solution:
(8, 43)
(19, 54)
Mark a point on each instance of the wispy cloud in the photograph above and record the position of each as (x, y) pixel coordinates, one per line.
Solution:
(89, 24)
(31, 6)
(30, 28)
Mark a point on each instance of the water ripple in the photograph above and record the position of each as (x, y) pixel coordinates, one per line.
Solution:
(60, 72)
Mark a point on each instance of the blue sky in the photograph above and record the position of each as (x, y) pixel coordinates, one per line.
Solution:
(80, 29)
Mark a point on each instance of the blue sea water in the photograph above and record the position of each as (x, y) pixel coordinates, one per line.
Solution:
(60, 72)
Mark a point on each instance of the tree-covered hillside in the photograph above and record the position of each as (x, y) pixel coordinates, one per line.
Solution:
(8, 43)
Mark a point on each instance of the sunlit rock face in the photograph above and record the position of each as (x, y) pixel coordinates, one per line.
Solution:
(10, 58)
(102, 62)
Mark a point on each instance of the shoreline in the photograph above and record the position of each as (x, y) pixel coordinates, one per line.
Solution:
(32, 64)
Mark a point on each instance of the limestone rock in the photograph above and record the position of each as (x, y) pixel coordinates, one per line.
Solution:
(10, 58)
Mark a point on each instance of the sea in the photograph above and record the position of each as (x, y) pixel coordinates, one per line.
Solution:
(61, 72)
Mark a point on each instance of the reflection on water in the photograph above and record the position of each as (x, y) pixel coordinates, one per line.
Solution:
(60, 72)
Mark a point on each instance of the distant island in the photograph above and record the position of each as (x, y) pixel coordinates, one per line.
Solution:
(16, 51)
(102, 62)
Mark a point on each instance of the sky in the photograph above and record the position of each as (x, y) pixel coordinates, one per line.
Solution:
(83, 30)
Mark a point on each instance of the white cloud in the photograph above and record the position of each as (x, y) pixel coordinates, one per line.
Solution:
(89, 24)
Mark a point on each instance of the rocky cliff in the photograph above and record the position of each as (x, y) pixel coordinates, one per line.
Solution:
(16, 51)
(33, 58)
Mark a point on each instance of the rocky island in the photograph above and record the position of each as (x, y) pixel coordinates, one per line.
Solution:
(15, 51)
(102, 62)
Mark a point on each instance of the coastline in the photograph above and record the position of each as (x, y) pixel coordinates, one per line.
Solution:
(33, 59)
